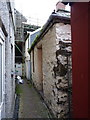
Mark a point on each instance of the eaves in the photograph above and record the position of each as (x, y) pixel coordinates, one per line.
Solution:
(54, 18)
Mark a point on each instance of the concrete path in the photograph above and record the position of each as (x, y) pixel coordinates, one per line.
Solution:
(31, 105)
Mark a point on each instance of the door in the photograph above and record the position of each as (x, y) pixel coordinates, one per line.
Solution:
(40, 68)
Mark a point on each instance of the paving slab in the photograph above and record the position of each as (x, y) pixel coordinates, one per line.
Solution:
(31, 105)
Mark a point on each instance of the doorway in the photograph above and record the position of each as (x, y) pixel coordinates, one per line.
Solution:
(40, 72)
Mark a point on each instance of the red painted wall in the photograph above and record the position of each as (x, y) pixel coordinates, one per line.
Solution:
(80, 36)
(89, 60)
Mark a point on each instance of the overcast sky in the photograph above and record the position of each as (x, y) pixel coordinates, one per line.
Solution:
(36, 10)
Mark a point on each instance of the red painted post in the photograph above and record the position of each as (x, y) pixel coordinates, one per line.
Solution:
(80, 22)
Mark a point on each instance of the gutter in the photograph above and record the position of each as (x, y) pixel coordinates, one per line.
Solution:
(54, 18)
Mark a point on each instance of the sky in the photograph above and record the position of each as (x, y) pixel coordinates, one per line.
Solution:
(37, 11)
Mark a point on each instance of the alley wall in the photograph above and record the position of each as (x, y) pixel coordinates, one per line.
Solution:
(9, 86)
(53, 78)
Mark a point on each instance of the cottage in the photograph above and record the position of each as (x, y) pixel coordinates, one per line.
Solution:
(51, 63)
(30, 37)
(7, 78)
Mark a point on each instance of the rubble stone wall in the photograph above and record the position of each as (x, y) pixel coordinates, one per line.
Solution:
(62, 71)
(56, 55)
(36, 73)
(56, 69)
(49, 59)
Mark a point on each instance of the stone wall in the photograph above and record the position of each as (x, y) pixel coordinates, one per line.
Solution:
(36, 68)
(9, 59)
(49, 59)
(56, 69)
(62, 72)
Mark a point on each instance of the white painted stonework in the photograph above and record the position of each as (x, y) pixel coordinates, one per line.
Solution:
(8, 60)
(55, 47)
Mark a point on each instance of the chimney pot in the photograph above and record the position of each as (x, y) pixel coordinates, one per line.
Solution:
(60, 5)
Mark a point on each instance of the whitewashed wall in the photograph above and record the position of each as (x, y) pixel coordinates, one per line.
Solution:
(55, 46)
(9, 60)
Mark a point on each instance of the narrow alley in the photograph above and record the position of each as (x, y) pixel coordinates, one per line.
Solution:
(44, 59)
(31, 104)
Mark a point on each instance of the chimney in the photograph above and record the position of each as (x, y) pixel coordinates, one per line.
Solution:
(59, 6)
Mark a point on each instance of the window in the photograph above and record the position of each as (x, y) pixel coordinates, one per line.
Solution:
(0, 73)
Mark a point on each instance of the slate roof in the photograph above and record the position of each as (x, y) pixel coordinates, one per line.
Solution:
(33, 35)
